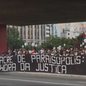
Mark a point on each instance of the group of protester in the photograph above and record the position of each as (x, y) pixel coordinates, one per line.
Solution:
(62, 51)
(65, 57)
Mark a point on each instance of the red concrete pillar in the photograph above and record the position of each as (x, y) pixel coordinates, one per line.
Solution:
(3, 38)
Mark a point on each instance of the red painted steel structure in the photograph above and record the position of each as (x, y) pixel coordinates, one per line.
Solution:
(3, 39)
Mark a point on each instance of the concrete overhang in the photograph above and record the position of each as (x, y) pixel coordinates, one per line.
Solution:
(24, 12)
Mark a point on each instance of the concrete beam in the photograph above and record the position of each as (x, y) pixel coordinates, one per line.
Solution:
(22, 12)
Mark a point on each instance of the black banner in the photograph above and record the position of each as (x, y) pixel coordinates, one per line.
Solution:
(60, 64)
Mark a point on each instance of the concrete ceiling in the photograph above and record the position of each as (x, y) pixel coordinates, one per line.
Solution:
(24, 12)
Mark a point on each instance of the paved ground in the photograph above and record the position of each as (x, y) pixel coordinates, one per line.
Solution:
(40, 79)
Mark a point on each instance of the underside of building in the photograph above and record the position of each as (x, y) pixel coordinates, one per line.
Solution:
(22, 12)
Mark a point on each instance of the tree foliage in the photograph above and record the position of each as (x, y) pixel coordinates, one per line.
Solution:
(57, 41)
(14, 42)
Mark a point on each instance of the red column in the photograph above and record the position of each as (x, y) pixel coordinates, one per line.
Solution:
(3, 38)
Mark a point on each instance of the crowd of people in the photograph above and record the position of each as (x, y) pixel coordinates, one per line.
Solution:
(54, 56)
(61, 51)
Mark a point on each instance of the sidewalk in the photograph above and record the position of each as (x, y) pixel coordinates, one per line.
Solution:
(51, 75)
